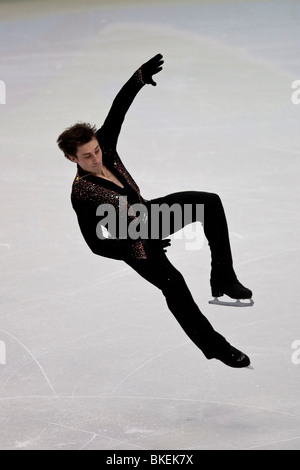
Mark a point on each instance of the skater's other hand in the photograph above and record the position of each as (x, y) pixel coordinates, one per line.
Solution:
(156, 246)
(165, 243)
(150, 68)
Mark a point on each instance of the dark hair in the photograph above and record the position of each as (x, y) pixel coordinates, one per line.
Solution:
(78, 134)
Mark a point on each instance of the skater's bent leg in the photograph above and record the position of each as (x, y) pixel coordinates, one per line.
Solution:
(215, 227)
(160, 272)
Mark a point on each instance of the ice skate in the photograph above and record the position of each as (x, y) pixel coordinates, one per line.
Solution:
(242, 297)
(232, 357)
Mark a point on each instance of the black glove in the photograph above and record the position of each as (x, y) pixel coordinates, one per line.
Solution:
(150, 68)
(156, 246)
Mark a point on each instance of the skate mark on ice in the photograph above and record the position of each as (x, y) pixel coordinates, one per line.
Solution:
(92, 435)
(106, 279)
(135, 398)
(268, 255)
(34, 359)
(274, 442)
(195, 400)
(146, 363)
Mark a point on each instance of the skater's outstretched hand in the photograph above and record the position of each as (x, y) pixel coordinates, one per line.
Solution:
(150, 68)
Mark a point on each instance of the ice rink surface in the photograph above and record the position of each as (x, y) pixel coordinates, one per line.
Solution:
(90, 356)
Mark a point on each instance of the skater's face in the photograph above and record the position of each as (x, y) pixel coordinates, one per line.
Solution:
(89, 156)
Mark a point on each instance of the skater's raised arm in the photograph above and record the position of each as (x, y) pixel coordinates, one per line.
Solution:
(109, 132)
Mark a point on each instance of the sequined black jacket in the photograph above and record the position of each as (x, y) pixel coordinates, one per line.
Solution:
(89, 191)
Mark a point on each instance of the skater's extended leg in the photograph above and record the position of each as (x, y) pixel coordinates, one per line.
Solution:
(160, 272)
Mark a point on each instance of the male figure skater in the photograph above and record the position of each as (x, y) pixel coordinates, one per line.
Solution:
(103, 181)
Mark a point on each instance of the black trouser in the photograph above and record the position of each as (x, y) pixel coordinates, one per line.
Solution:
(161, 273)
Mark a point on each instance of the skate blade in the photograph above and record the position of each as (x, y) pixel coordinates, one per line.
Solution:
(232, 303)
